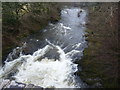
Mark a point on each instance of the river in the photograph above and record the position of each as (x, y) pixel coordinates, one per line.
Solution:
(50, 54)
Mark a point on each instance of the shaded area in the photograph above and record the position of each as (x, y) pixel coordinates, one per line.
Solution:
(100, 61)
(22, 19)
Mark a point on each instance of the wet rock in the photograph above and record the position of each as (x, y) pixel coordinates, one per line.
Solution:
(97, 85)
(14, 84)
(40, 88)
(29, 86)
(4, 83)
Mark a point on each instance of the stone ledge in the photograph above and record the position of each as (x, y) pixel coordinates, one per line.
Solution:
(13, 84)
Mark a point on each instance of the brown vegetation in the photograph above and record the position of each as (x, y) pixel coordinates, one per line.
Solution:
(23, 19)
(100, 60)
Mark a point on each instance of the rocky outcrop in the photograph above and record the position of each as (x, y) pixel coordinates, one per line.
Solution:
(13, 84)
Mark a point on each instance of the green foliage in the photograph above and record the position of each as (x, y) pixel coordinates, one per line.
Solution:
(20, 19)
(39, 7)
(11, 12)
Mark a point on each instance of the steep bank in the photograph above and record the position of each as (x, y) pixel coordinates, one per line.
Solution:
(100, 61)
(23, 19)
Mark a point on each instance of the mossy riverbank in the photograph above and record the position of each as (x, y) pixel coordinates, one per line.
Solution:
(100, 60)
(23, 19)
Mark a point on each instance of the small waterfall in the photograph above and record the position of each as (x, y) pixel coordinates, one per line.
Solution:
(39, 70)
(51, 65)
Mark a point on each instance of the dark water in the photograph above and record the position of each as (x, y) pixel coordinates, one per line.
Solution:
(56, 48)
(68, 33)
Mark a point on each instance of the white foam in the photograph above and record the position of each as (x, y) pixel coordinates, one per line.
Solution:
(44, 72)
(37, 69)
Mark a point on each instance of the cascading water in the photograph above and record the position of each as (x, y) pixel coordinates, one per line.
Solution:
(51, 64)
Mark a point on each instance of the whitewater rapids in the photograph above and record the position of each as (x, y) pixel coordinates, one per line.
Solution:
(65, 41)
